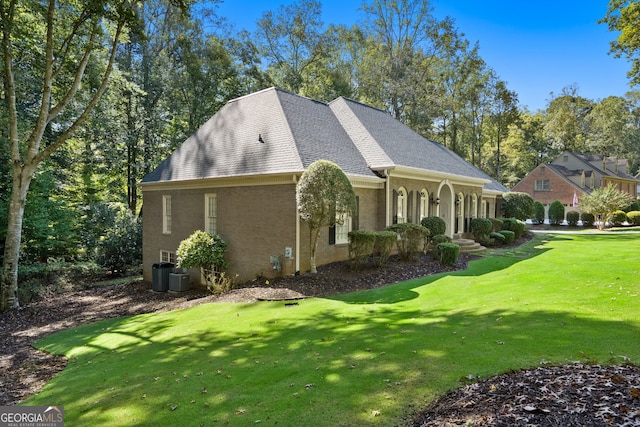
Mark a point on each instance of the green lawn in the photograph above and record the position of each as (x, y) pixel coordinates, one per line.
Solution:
(366, 358)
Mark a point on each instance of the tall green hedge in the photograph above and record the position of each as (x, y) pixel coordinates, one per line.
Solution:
(556, 213)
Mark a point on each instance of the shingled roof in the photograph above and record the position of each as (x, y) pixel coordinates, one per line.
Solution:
(275, 131)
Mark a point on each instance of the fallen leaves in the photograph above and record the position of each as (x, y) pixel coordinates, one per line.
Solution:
(570, 395)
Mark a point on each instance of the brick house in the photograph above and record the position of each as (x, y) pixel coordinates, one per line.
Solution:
(573, 175)
(236, 176)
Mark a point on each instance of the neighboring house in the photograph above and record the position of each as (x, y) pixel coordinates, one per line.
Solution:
(236, 176)
(573, 175)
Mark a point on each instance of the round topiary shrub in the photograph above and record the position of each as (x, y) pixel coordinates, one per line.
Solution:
(618, 218)
(447, 253)
(587, 219)
(434, 224)
(633, 217)
(497, 238)
(573, 217)
(556, 213)
(517, 205)
(518, 227)
(538, 208)
(480, 227)
(497, 224)
(509, 236)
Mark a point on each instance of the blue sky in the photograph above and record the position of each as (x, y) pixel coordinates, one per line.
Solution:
(537, 47)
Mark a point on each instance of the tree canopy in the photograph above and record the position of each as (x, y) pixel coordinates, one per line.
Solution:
(603, 202)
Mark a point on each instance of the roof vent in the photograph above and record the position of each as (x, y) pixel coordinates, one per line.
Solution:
(260, 138)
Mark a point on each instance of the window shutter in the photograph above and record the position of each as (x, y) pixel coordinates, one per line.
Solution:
(355, 221)
(409, 206)
(394, 207)
(332, 229)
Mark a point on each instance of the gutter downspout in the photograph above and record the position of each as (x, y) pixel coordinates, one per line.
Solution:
(388, 199)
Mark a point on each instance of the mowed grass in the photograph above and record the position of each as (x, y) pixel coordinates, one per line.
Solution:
(366, 358)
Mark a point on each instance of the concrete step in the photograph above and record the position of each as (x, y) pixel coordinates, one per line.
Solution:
(468, 246)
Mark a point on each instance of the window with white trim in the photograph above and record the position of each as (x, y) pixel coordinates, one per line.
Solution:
(402, 205)
(210, 213)
(542, 185)
(166, 214)
(343, 226)
(167, 256)
(424, 204)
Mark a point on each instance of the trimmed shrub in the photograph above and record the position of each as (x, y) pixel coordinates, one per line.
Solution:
(480, 227)
(447, 253)
(205, 251)
(497, 238)
(518, 227)
(538, 208)
(573, 217)
(361, 243)
(434, 224)
(440, 238)
(634, 217)
(384, 245)
(618, 218)
(509, 236)
(412, 238)
(587, 219)
(497, 224)
(556, 213)
(517, 205)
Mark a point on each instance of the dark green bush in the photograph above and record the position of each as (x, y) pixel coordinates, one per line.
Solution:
(517, 205)
(635, 206)
(411, 239)
(447, 253)
(509, 236)
(480, 227)
(497, 238)
(587, 219)
(440, 238)
(122, 246)
(556, 213)
(633, 217)
(497, 224)
(538, 208)
(618, 218)
(573, 217)
(361, 243)
(384, 245)
(434, 224)
(518, 227)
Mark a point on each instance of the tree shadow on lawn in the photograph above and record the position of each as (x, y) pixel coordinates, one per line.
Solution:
(309, 366)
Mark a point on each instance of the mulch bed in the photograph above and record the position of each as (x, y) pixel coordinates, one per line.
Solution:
(572, 395)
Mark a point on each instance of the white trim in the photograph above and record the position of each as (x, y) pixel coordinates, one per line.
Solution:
(166, 214)
(207, 213)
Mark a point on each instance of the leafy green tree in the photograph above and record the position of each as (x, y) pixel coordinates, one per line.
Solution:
(603, 202)
(46, 49)
(567, 121)
(517, 205)
(623, 18)
(325, 196)
(291, 41)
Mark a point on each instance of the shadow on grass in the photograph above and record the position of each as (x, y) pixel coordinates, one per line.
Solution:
(312, 367)
(497, 260)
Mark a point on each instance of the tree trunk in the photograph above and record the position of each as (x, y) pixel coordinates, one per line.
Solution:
(9, 285)
(314, 235)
